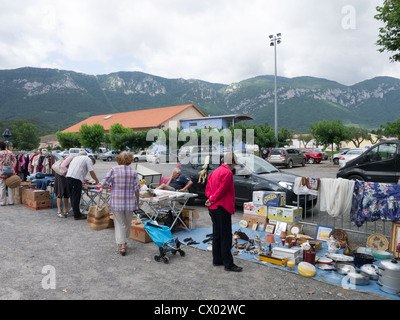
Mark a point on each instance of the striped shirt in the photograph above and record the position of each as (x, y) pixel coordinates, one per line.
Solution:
(79, 167)
(124, 183)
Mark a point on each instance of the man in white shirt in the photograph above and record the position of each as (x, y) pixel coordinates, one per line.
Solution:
(78, 169)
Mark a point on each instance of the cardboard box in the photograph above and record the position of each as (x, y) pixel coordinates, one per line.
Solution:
(18, 194)
(251, 209)
(248, 208)
(251, 220)
(292, 254)
(269, 198)
(138, 232)
(286, 213)
(35, 194)
(190, 217)
(37, 205)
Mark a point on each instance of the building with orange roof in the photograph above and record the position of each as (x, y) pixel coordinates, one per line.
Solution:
(142, 120)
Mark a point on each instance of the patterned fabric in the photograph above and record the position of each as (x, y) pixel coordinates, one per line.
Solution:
(124, 183)
(373, 201)
(7, 158)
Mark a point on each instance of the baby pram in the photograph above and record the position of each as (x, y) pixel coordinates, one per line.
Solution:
(162, 237)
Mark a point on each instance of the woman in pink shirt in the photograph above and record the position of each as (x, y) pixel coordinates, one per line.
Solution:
(221, 206)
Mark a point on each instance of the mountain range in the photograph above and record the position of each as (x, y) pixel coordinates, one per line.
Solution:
(62, 98)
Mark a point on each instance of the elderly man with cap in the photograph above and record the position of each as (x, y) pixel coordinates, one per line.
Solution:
(221, 206)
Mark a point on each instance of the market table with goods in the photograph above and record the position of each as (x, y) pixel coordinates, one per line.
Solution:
(268, 234)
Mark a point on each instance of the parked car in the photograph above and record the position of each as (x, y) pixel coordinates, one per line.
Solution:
(251, 174)
(336, 156)
(139, 156)
(379, 163)
(349, 155)
(75, 151)
(286, 157)
(186, 151)
(157, 156)
(109, 155)
(324, 154)
(64, 153)
(311, 156)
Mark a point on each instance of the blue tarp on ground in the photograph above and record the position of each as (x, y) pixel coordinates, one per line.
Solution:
(331, 277)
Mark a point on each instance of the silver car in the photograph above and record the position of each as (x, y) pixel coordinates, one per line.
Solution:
(139, 156)
(349, 155)
(286, 157)
(109, 156)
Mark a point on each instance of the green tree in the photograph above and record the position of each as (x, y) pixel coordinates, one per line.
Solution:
(264, 135)
(392, 129)
(389, 39)
(24, 135)
(305, 138)
(91, 136)
(68, 140)
(378, 136)
(284, 137)
(119, 136)
(328, 133)
(357, 135)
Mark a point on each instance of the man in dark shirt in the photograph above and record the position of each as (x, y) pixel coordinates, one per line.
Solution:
(176, 182)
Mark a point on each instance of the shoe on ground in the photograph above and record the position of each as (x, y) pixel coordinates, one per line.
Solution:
(62, 215)
(81, 217)
(234, 268)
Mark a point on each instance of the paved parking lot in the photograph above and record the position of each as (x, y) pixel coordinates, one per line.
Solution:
(44, 257)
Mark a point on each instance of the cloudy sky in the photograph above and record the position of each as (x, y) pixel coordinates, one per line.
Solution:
(222, 41)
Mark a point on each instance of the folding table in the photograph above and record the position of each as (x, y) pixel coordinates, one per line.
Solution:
(171, 200)
(93, 195)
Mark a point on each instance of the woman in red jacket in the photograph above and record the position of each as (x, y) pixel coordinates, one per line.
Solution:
(221, 206)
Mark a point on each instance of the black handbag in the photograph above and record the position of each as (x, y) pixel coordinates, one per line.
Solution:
(241, 235)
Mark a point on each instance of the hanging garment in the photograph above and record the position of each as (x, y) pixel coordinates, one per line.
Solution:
(335, 196)
(373, 201)
(306, 186)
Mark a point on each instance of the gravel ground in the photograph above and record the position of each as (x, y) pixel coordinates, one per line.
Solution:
(44, 257)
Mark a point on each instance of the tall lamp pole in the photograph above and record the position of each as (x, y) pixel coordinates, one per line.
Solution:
(274, 41)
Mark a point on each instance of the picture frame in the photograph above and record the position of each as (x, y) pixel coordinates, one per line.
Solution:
(322, 232)
(254, 226)
(395, 240)
(269, 228)
(280, 226)
(261, 226)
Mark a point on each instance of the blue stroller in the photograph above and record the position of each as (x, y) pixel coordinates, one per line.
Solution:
(162, 237)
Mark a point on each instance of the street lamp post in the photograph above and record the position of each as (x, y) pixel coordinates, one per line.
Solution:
(274, 41)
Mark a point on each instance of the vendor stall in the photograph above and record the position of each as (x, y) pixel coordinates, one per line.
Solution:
(91, 195)
(161, 200)
(150, 176)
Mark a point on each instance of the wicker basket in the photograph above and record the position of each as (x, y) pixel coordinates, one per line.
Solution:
(13, 182)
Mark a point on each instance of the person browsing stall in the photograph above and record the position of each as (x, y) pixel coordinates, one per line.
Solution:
(221, 206)
(78, 169)
(61, 189)
(7, 158)
(125, 186)
(177, 182)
